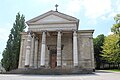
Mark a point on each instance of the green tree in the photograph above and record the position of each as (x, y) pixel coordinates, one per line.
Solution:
(11, 53)
(7, 56)
(110, 49)
(98, 42)
(116, 28)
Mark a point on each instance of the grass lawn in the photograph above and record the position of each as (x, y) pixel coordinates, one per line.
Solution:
(115, 70)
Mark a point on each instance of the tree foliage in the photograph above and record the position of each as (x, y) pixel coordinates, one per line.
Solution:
(98, 42)
(11, 53)
(111, 50)
(116, 28)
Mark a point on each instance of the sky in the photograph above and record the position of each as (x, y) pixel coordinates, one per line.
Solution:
(93, 14)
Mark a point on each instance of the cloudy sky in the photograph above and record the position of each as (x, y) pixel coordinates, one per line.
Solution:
(93, 14)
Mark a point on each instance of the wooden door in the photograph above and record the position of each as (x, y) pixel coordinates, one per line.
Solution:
(53, 59)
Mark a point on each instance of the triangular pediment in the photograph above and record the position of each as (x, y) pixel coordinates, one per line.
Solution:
(52, 17)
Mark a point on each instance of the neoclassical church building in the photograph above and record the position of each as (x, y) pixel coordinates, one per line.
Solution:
(54, 42)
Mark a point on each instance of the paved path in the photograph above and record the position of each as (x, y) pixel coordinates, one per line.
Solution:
(99, 75)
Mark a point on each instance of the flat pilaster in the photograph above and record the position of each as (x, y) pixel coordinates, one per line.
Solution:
(28, 47)
(39, 53)
(21, 53)
(92, 53)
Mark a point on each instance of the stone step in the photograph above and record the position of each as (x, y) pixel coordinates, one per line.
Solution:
(44, 71)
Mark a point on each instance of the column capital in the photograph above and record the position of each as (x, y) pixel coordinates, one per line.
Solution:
(90, 37)
(36, 38)
(59, 30)
(74, 33)
(33, 35)
(29, 32)
(74, 30)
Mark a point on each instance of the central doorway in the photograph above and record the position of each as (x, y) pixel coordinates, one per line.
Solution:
(53, 58)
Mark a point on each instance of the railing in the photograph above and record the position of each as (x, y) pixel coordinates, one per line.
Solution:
(109, 66)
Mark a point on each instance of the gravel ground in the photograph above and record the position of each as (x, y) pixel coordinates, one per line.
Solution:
(98, 75)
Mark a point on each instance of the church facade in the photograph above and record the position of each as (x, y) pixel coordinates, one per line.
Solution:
(53, 41)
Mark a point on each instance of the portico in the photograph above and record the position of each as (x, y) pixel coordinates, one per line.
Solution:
(53, 41)
(56, 48)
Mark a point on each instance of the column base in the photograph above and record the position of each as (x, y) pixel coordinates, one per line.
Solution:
(58, 67)
(42, 66)
(76, 66)
(31, 66)
(26, 66)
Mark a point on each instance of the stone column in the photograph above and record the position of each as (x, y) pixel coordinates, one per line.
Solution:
(28, 47)
(59, 49)
(43, 47)
(36, 54)
(21, 53)
(32, 51)
(75, 49)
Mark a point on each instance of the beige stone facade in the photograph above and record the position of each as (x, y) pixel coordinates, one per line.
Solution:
(54, 41)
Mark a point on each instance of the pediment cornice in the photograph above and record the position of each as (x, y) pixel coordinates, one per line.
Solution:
(63, 17)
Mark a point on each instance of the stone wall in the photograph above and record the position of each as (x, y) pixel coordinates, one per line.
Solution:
(22, 50)
(85, 49)
(67, 60)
